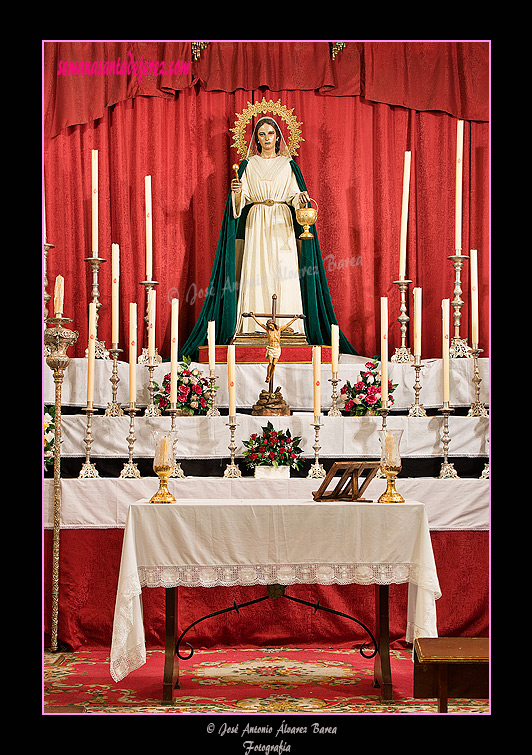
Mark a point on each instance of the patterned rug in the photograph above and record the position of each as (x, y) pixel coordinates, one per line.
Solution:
(254, 681)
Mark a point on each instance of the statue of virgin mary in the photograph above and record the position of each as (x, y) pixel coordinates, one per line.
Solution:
(259, 253)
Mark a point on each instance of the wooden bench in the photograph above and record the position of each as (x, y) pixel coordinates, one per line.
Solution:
(456, 667)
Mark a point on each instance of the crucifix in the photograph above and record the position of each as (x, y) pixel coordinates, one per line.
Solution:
(273, 332)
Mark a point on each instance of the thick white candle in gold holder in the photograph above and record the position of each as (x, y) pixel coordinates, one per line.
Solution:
(231, 385)
(445, 348)
(174, 349)
(59, 292)
(404, 216)
(211, 342)
(335, 347)
(459, 174)
(115, 281)
(473, 267)
(151, 322)
(316, 375)
(417, 322)
(91, 353)
(132, 353)
(149, 228)
(94, 202)
(384, 349)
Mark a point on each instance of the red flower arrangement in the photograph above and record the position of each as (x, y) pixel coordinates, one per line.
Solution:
(365, 394)
(273, 448)
(193, 390)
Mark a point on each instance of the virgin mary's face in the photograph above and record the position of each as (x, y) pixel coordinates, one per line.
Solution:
(266, 136)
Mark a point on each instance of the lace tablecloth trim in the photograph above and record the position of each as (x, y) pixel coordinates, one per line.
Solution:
(127, 659)
(287, 574)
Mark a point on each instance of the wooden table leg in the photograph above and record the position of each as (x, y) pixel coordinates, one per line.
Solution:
(443, 689)
(382, 670)
(171, 661)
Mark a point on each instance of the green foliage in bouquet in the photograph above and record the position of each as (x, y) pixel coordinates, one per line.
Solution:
(273, 448)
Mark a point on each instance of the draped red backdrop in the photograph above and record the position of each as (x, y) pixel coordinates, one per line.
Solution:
(360, 113)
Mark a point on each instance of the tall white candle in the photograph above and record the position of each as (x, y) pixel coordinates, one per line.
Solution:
(132, 353)
(149, 228)
(231, 383)
(445, 348)
(459, 173)
(59, 293)
(316, 375)
(94, 202)
(211, 342)
(417, 322)
(115, 281)
(91, 353)
(174, 349)
(151, 322)
(384, 350)
(473, 266)
(335, 347)
(404, 216)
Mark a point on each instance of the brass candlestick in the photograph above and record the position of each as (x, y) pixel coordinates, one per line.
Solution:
(114, 409)
(95, 262)
(151, 410)
(56, 342)
(88, 470)
(477, 408)
(177, 471)
(316, 469)
(458, 347)
(130, 469)
(232, 470)
(163, 465)
(447, 469)
(390, 464)
(212, 411)
(402, 353)
(334, 411)
(417, 409)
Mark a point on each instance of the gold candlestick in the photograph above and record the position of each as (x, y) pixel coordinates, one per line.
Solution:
(113, 408)
(177, 471)
(130, 469)
(447, 469)
(100, 351)
(458, 347)
(390, 464)
(232, 470)
(477, 408)
(88, 470)
(417, 409)
(212, 411)
(334, 411)
(316, 470)
(403, 353)
(56, 341)
(163, 465)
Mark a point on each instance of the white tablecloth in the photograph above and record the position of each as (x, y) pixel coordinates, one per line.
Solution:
(239, 542)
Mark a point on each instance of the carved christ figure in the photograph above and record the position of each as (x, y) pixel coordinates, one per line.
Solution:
(273, 332)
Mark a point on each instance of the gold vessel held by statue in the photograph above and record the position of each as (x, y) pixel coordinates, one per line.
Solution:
(307, 216)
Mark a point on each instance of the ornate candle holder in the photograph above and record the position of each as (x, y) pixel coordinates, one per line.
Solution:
(402, 353)
(114, 409)
(447, 469)
(232, 470)
(151, 410)
(88, 470)
(56, 342)
(477, 408)
(130, 469)
(390, 464)
(334, 411)
(95, 262)
(212, 411)
(316, 470)
(177, 471)
(417, 409)
(458, 346)
(163, 464)
(384, 411)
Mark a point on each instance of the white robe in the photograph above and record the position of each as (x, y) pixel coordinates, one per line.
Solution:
(270, 259)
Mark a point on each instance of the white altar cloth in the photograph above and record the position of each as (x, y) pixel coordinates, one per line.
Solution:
(250, 542)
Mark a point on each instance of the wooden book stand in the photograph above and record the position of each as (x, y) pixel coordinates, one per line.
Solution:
(348, 487)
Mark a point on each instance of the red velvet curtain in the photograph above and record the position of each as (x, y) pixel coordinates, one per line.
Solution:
(177, 131)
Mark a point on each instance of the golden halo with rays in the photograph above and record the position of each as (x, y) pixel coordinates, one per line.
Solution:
(266, 106)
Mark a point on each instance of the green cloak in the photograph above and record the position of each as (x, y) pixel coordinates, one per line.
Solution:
(221, 297)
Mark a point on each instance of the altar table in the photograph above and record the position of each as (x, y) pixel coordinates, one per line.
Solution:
(206, 543)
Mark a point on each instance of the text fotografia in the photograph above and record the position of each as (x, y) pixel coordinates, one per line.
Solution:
(250, 746)
(127, 67)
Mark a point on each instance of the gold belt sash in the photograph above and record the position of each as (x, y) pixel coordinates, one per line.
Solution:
(270, 202)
